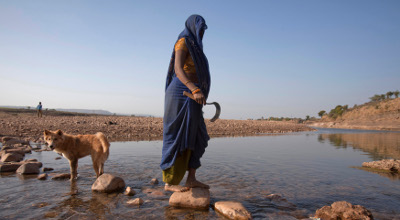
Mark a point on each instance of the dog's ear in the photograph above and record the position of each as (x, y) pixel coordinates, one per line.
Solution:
(46, 132)
(59, 132)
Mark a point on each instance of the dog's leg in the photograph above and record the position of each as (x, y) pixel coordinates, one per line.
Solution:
(101, 168)
(95, 160)
(74, 168)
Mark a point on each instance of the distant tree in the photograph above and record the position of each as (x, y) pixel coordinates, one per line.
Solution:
(389, 95)
(321, 113)
(28, 107)
(396, 93)
(307, 117)
(375, 98)
(383, 97)
(345, 107)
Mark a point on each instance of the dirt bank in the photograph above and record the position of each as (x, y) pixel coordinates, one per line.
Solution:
(125, 128)
(383, 115)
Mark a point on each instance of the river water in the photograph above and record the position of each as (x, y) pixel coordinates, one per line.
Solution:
(308, 170)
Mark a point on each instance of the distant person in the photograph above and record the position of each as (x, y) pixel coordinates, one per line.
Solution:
(39, 110)
(185, 134)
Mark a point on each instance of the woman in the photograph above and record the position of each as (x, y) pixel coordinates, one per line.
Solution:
(185, 134)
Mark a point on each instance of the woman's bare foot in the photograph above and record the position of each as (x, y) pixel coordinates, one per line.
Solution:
(176, 188)
(196, 184)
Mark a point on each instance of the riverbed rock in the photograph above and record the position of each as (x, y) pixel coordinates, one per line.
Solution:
(28, 168)
(386, 164)
(47, 169)
(196, 198)
(58, 158)
(61, 176)
(129, 191)
(13, 141)
(16, 151)
(42, 176)
(108, 183)
(154, 181)
(344, 211)
(232, 210)
(11, 157)
(137, 201)
(9, 167)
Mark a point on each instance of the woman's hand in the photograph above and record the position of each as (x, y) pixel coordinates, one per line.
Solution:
(199, 98)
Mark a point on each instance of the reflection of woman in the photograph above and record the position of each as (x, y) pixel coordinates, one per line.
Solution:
(185, 134)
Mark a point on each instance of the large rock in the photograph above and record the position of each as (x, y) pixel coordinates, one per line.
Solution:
(108, 183)
(232, 210)
(344, 211)
(28, 168)
(9, 167)
(386, 164)
(196, 198)
(11, 157)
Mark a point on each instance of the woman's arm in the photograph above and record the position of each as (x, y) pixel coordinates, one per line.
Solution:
(180, 57)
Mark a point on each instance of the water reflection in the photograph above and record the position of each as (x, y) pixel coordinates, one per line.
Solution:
(378, 145)
(308, 171)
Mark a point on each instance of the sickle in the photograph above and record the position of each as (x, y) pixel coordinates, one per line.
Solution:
(217, 106)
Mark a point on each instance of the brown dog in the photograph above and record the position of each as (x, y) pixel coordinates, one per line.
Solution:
(74, 147)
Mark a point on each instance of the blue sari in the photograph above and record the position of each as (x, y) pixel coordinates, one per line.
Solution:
(184, 127)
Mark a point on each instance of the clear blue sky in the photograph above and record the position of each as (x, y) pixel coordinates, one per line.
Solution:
(267, 58)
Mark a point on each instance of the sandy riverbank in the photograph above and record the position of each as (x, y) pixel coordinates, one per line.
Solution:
(127, 128)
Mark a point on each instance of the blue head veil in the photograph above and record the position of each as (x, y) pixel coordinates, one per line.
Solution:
(193, 27)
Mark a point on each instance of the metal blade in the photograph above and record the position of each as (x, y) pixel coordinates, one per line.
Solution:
(217, 111)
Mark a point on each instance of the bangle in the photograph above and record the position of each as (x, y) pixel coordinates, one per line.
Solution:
(196, 91)
(188, 82)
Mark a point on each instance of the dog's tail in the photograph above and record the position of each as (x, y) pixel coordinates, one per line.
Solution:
(104, 142)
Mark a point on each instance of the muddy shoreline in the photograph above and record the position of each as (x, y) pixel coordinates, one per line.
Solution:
(127, 128)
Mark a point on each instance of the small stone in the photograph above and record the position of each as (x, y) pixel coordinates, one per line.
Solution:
(42, 176)
(196, 198)
(343, 210)
(40, 205)
(129, 191)
(154, 181)
(31, 160)
(108, 183)
(137, 201)
(28, 168)
(61, 176)
(46, 169)
(232, 210)
(58, 158)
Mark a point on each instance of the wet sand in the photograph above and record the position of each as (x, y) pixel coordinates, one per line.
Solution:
(126, 128)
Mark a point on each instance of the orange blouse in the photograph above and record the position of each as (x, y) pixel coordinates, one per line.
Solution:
(188, 67)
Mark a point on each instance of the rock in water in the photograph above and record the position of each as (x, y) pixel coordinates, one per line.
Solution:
(62, 176)
(344, 211)
(196, 198)
(137, 201)
(154, 181)
(28, 168)
(9, 167)
(386, 164)
(129, 191)
(11, 157)
(42, 176)
(108, 183)
(232, 210)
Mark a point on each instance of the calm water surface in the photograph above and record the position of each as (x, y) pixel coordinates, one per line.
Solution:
(309, 170)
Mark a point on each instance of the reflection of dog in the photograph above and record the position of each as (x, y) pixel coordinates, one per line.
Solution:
(74, 147)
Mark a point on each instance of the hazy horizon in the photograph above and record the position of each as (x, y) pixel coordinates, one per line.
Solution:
(267, 58)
